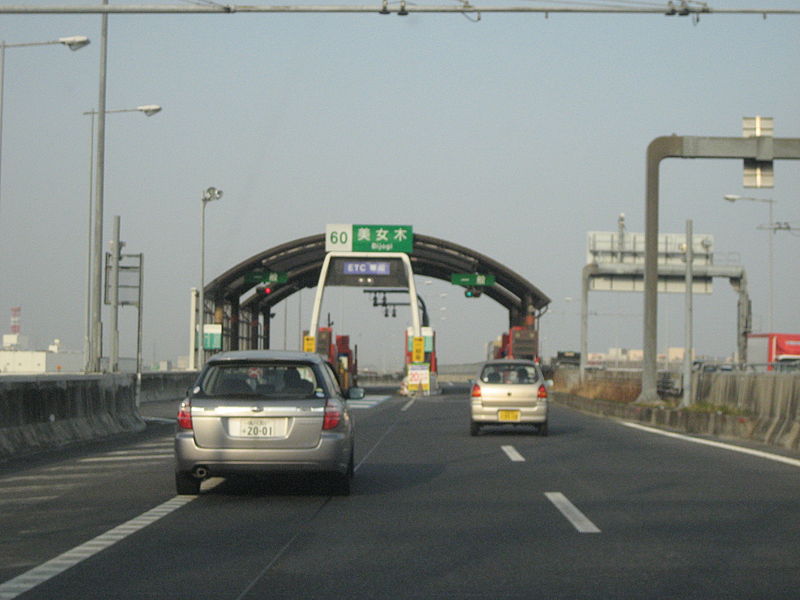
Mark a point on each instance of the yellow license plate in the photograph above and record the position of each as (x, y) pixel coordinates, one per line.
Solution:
(508, 415)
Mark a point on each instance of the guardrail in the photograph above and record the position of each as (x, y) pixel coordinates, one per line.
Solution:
(44, 412)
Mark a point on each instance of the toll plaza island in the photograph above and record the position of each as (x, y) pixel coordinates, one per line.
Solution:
(237, 304)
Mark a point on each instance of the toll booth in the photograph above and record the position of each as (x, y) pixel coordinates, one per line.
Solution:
(346, 362)
(324, 345)
(422, 374)
(519, 342)
(338, 353)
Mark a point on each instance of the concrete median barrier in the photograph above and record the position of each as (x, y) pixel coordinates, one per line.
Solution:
(45, 412)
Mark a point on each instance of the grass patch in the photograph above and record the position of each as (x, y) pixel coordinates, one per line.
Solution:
(720, 409)
(623, 392)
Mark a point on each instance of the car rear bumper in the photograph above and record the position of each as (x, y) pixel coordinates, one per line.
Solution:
(332, 454)
(491, 414)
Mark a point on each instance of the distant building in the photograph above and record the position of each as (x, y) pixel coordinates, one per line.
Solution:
(16, 358)
(15, 341)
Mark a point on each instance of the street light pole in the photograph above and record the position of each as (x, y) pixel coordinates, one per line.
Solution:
(688, 345)
(96, 342)
(149, 110)
(74, 42)
(770, 251)
(209, 195)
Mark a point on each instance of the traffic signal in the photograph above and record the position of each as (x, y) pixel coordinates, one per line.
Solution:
(473, 292)
(266, 290)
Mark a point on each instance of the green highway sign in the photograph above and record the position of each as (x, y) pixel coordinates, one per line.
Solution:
(472, 279)
(254, 277)
(369, 238)
(212, 336)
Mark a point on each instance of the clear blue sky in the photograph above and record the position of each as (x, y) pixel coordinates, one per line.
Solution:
(515, 136)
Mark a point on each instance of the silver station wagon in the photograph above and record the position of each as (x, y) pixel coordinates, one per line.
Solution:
(263, 412)
(509, 391)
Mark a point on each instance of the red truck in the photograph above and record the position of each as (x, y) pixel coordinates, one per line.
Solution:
(773, 348)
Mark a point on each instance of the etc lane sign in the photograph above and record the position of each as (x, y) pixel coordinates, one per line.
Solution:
(369, 238)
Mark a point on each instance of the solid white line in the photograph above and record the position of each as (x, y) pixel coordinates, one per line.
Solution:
(38, 575)
(512, 453)
(571, 512)
(125, 458)
(776, 457)
(408, 405)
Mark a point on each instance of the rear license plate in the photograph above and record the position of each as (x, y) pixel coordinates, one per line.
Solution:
(257, 428)
(508, 415)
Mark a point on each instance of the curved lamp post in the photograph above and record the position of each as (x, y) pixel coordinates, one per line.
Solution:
(74, 42)
(148, 110)
(209, 195)
(733, 198)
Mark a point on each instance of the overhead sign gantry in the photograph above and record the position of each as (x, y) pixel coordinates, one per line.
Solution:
(367, 256)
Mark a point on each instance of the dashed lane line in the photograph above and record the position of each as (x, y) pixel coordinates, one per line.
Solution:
(367, 402)
(571, 512)
(512, 454)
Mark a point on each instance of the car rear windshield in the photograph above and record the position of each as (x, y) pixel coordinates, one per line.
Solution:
(266, 380)
(510, 373)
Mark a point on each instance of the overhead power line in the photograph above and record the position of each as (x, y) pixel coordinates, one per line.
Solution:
(673, 8)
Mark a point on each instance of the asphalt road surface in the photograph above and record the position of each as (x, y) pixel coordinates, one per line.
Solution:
(595, 510)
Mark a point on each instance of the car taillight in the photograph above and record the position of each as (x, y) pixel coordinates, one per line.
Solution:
(185, 415)
(333, 415)
(542, 393)
(476, 390)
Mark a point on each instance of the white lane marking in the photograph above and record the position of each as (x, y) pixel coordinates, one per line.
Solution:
(371, 450)
(139, 451)
(512, 453)
(38, 575)
(367, 402)
(776, 457)
(25, 500)
(161, 444)
(125, 458)
(47, 478)
(47, 486)
(408, 405)
(571, 512)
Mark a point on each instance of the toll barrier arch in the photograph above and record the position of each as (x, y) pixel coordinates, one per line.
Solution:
(237, 302)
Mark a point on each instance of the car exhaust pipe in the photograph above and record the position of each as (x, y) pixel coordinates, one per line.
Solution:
(200, 472)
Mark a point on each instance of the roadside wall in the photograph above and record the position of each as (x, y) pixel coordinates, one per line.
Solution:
(44, 412)
(763, 407)
(165, 385)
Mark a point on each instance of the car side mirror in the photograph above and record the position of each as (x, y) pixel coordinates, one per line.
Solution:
(356, 393)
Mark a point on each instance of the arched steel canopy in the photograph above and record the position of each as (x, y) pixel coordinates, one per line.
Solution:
(302, 260)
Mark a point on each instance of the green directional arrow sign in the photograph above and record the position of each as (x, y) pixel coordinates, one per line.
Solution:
(472, 279)
(254, 277)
